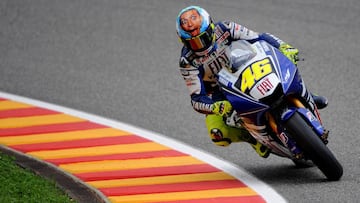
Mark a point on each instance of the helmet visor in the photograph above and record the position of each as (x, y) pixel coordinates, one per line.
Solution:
(201, 42)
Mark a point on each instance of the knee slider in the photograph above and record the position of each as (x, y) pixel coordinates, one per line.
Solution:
(218, 138)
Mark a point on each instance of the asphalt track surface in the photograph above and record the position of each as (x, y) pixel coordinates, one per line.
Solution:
(118, 59)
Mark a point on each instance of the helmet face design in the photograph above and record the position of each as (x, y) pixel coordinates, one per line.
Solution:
(195, 29)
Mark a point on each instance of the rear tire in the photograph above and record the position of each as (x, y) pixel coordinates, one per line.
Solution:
(313, 147)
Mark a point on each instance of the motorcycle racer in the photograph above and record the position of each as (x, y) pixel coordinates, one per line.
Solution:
(202, 57)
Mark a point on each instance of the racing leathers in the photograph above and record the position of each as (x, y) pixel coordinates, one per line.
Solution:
(199, 73)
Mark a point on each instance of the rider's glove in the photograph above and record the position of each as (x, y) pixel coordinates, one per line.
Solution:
(221, 108)
(290, 52)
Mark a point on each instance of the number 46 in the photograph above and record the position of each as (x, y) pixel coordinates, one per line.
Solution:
(254, 73)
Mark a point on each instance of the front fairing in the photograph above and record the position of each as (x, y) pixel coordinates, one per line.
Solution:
(287, 71)
(258, 73)
(258, 77)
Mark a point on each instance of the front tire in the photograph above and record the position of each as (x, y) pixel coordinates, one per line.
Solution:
(313, 147)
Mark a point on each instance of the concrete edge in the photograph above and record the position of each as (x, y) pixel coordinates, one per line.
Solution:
(71, 185)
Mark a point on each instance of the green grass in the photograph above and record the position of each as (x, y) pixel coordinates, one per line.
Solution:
(21, 185)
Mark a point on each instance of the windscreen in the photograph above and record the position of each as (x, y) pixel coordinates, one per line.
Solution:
(240, 53)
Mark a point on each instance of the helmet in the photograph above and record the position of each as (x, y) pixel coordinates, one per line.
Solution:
(195, 29)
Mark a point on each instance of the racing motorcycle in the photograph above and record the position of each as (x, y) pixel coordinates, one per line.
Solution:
(270, 100)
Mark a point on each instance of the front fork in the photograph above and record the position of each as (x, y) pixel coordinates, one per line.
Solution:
(284, 138)
(323, 133)
(315, 122)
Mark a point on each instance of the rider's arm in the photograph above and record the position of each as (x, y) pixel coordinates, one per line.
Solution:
(238, 31)
(193, 79)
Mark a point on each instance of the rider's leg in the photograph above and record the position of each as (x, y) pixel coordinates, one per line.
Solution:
(223, 135)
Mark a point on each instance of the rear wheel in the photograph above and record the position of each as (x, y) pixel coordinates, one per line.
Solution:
(313, 147)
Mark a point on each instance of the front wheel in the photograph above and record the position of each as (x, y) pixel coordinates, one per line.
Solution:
(313, 147)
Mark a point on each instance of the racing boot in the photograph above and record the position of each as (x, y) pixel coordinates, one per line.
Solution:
(261, 149)
(320, 101)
